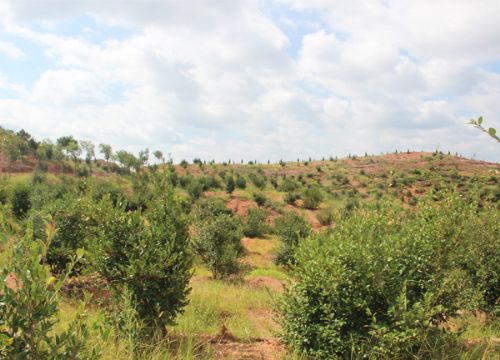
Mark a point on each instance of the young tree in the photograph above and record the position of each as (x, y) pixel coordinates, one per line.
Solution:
(45, 150)
(230, 185)
(12, 148)
(89, 148)
(28, 139)
(107, 151)
(143, 158)
(70, 147)
(127, 159)
(159, 156)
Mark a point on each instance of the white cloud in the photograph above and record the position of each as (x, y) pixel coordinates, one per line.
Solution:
(68, 88)
(10, 50)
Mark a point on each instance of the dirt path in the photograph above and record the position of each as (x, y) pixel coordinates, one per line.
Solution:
(226, 346)
(268, 349)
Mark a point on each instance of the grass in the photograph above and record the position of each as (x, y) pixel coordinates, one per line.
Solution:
(175, 346)
(260, 255)
(259, 251)
(274, 272)
(214, 303)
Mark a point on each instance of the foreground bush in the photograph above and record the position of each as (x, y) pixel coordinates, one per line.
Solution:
(148, 256)
(29, 309)
(381, 282)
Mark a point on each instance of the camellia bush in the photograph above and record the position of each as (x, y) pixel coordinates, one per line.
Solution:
(29, 307)
(76, 220)
(382, 281)
(291, 229)
(216, 236)
(217, 243)
(146, 255)
(312, 197)
(255, 224)
(21, 200)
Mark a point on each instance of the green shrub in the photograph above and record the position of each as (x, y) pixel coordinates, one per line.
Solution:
(76, 220)
(467, 231)
(326, 217)
(29, 310)
(349, 207)
(106, 188)
(255, 225)
(217, 242)
(230, 185)
(291, 228)
(4, 190)
(184, 180)
(289, 185)
(147, 255)
(21, 200)
(38, 177)
(312, 197)
(83, 171)
(291, 197)
(259, 198)
(379, 284)
(206, 216)
(42, 166)
(209, 182)
(274, 182)
(195, 189)
(241, 183)
(259, 180)
(205, 209)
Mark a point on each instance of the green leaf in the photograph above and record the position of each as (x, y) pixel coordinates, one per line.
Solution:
(492, 132)
(79, 253)
(50, 281)
(480, 120)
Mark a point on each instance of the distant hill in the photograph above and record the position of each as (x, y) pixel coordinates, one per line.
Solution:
(402, 176)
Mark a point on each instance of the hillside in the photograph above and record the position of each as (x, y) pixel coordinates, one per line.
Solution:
(232, 310)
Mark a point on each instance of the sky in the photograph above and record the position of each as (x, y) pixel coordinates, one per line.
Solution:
(254, 80)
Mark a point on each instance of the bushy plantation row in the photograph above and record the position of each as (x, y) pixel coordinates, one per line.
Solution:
(382, 277)
(382, 283)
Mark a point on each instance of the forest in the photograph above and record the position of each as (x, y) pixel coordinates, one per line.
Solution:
(105, 254)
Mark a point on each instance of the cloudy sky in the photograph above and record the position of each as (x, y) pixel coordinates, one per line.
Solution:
(221, 79)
